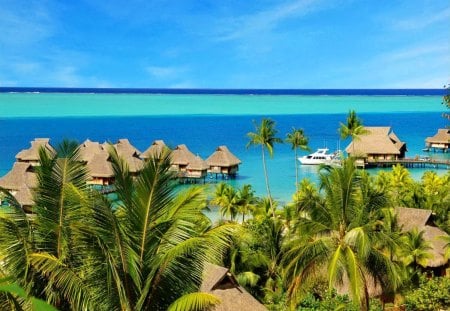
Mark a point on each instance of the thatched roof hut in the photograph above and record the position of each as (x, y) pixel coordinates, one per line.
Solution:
(19, 181)
(222, 161)
(378, 143)
(197, 164)
(182, 156)
(21, 175)
(31, 154)
(155, 150)
(221, 283)
(89, 148)
(130, 154)
(409, 218)
(99, 166)
(441, 140)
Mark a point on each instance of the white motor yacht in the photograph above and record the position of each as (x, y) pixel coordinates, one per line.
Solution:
(321, 156)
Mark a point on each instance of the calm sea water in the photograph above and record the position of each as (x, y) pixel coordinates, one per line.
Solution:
(205, 121)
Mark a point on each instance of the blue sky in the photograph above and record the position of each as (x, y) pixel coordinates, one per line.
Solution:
(225, 43)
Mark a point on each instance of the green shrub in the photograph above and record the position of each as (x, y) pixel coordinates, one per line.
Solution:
(432, 294)
(332, 302)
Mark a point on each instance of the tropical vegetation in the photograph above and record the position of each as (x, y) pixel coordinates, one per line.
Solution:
(79, 251)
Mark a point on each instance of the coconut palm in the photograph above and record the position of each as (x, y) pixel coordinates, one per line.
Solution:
(353, 128)
(298, 140)
(227, 198)
(83, 252)
(338, 238)
(265, 136)
(247, 200)
(416, 250)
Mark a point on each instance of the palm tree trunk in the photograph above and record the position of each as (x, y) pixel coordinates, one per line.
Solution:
(296, 170)
(267, 181)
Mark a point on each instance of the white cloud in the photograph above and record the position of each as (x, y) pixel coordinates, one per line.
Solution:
(422, 21)
(24, 25)
(416, 52)
(243, 26)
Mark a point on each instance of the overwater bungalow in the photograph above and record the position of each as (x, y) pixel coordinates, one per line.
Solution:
(380, 143)
(130, 154)
(31, 155)
(422, 219)
(440, 141)
(100, 169)
(197, 168)
(221, 283)
(155, 150)
(181, 158)
(96, 158)
(222, 161)
(20, 181)
(90, 148)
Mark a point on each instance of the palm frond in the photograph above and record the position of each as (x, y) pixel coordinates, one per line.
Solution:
(194, 302)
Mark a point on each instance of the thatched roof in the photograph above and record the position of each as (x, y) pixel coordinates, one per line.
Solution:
(197, 164)
(125, 148)
(441, 137)
(181, 155)
(219, 282)
(155, 150)
(378, 140)
(130, 154)
(89, 148)
(20, 179)
(99, 166)
(32, 154)
(222, 157)
(24, 196)
(409, 218)
(20, 176)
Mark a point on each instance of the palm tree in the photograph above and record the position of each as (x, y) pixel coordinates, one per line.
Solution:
(415, 252)
(353, 128)
(227, 198)
(83, 252)
(338, 238)
(297, 139)
(265, 136)
(247, 200)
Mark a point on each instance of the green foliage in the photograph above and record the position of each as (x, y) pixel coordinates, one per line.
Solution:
(15, 293)
(81, 251)
(333, 302)
(233, 202)
(432, 192)
(338, 236)
(431, 294)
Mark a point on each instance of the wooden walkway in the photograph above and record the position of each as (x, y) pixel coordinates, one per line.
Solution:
(411, 162)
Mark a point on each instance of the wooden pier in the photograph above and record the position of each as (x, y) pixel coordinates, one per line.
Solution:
(411, 163)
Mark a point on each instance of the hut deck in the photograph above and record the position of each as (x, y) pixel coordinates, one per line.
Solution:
(410, 162)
